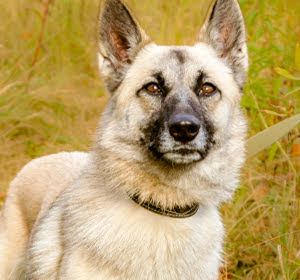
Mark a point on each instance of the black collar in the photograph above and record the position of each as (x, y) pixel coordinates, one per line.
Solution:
(176, 212)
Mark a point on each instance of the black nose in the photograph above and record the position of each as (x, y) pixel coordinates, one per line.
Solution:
(184, 128)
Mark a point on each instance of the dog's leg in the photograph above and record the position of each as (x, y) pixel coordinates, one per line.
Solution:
(30, 195)
(13, 238)
(77, 265)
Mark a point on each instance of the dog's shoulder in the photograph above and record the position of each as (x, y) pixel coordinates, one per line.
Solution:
(42, 180)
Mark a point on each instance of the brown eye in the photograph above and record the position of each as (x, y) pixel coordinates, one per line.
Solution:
(207, 89)
(152, 88)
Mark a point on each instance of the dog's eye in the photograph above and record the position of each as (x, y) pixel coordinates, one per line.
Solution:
(152, 88)
(207, 89)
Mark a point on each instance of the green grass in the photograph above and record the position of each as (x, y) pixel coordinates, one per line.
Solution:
(54, 105)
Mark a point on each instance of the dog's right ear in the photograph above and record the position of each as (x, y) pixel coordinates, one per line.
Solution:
(120, 39)
(224, 30)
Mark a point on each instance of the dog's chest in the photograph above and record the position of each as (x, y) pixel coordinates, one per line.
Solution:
(146, 246)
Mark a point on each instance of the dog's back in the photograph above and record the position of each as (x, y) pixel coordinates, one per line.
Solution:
(30, 195)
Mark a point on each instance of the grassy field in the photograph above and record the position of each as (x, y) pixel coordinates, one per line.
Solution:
(51, 102)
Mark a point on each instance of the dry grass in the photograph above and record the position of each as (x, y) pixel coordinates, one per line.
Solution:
(54, 106)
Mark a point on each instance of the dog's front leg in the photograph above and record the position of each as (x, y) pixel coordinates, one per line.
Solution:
(46, 247)
(77, 265)
(50, 256)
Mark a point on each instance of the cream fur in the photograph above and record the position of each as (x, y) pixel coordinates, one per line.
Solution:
(90, 252)
(69, 215)
(121, 240)
(30, 195)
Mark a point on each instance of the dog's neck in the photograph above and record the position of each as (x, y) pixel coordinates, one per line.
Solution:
(175, 212)
(133, 179)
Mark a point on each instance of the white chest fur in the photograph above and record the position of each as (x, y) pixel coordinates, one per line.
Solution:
(131, 243)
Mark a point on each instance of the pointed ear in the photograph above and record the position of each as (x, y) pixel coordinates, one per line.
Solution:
(120, 39)
(224, 30)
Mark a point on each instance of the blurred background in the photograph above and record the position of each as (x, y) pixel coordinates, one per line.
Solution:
(51, 97)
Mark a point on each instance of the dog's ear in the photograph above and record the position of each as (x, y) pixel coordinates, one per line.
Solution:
(120, 39)
(224, 30)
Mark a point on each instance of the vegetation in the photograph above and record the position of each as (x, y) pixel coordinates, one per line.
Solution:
(51, 96)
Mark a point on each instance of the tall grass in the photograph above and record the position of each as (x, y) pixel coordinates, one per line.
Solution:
(54, 104)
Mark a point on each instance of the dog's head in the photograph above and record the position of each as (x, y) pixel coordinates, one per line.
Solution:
(175, 106)
(177, 102)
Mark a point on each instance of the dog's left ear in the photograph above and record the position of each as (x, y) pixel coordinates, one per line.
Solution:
(224, 30)
(120, 39)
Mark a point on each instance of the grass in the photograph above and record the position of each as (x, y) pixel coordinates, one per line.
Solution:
(54, 104)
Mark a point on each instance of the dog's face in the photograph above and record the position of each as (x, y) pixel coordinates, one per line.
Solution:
(174, 104)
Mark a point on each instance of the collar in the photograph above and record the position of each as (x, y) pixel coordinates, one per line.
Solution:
(176, 212)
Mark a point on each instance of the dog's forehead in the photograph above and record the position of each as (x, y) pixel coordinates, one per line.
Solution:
(180, 67)
(180, 62)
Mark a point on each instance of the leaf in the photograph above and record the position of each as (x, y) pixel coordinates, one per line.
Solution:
(297, 57)
(267, 137)
(258, 34)
(277, 85)
(292, 92)
(273, 113)
(2, 195)
(26, 35)
(64, 140)
(269, 26)
(272, 152)
(262, 8)
(286, 74)
(295, 150)
(252, 17)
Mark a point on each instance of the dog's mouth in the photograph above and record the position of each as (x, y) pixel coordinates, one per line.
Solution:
(179, 156)
(183, 156)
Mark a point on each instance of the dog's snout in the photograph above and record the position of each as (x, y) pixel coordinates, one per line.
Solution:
(184, 128)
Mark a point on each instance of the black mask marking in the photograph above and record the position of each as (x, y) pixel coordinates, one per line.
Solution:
(158, 124)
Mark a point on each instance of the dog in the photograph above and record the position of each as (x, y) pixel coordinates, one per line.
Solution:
(143, 203)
